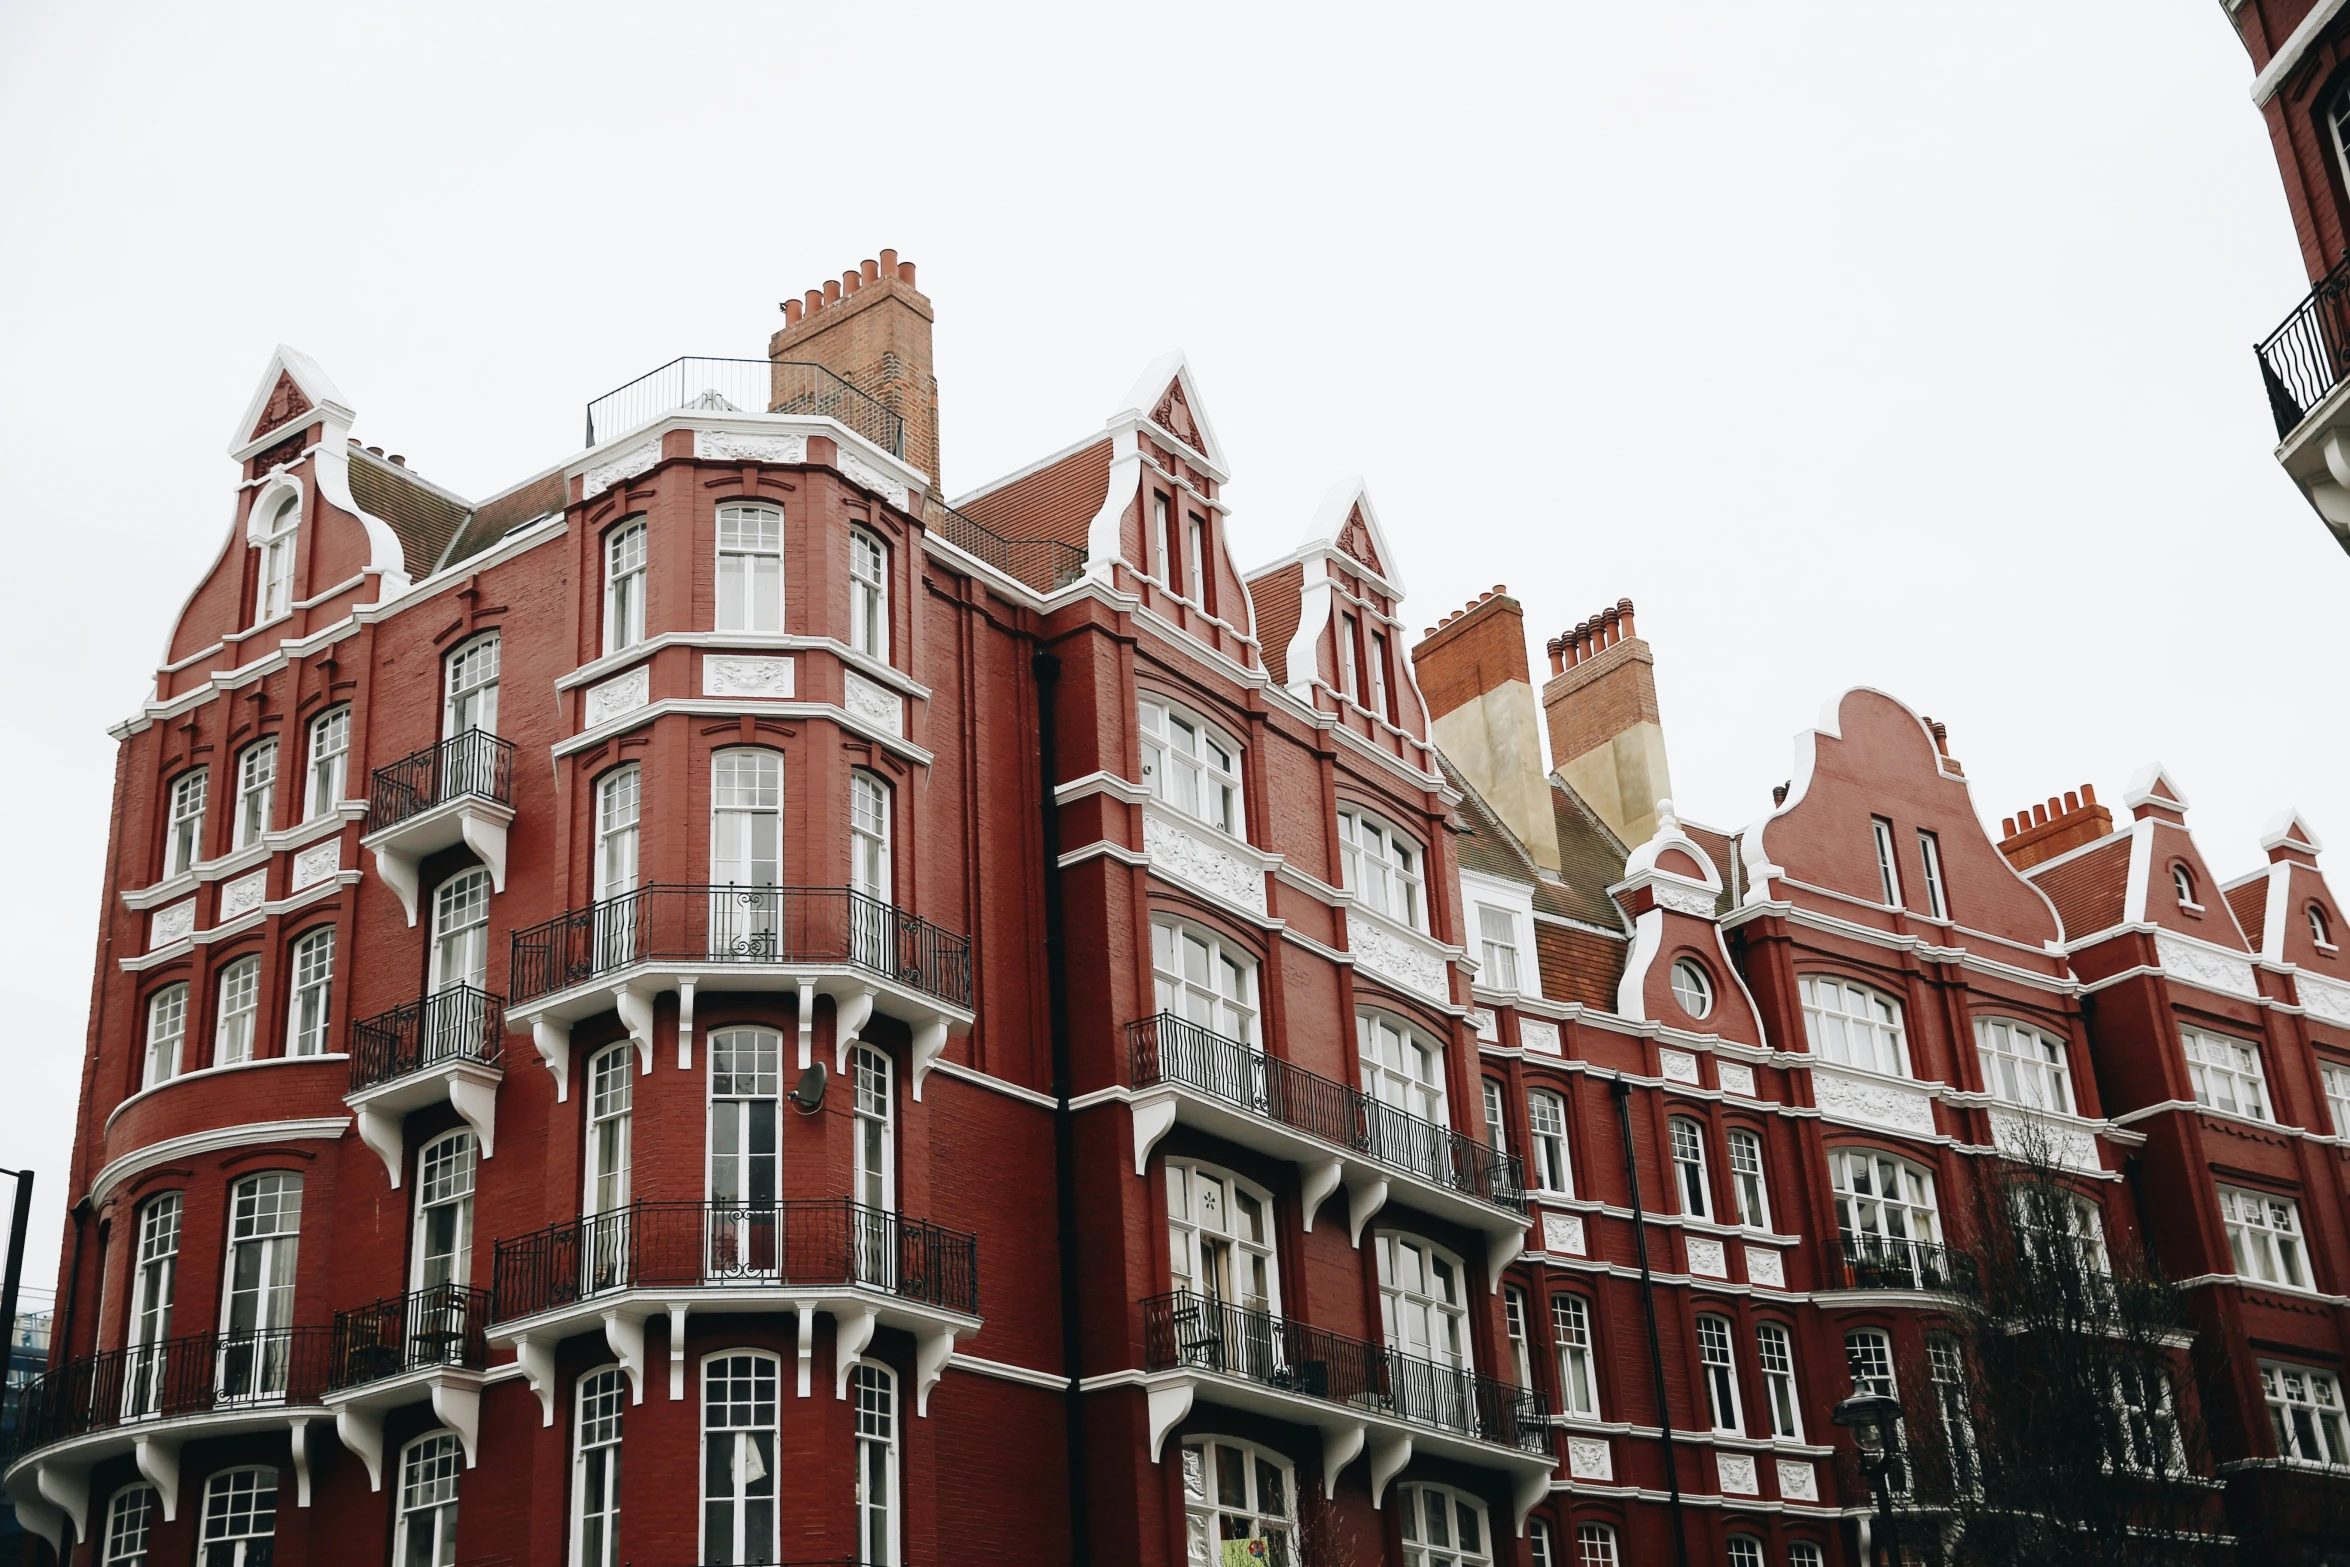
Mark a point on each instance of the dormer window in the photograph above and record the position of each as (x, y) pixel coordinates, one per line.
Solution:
(1189, 765)
(2182, 882)
(2320, 931)
(277, 561)
(1888, 871)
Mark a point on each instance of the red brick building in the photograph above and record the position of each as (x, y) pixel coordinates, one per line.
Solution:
(714, 1007)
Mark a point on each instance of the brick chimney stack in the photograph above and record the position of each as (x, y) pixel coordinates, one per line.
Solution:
(1472, 671)
(1607, 740)
(2039, 833)
(871, 328)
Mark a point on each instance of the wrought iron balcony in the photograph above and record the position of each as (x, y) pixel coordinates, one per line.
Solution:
(1044, 564)
(743, 386)
(2304, 359)
(457, 1024)
(1171, 1049)
(475, 763)
(1189, 1331)
(201, 1374)
(687, 1245)
(746, 925)
(1873, 1262)
(439, 1327)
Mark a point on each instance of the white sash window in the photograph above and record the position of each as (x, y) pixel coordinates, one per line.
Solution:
(240, 1005)
(472, 701)
(444, 1210)
(738, 1458)
(461, 931)
(624, 588)
(1219, 1228)
(312, 1014)
(595, 1468)
(427, 1530)
(330, 756)
(876, 1390)
(167, 1027)
(240, 1519)
(750, 568)
(868, 594)
(1203, 979)
(256, 792)
(1853, 1025)
(1238, 1502)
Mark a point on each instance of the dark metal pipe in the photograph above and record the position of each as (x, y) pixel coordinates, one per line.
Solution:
(1656, 1349)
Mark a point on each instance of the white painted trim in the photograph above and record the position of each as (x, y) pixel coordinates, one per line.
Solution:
(698, 707)
(242, 923)
(251, 1134)
(1007, 1372)
(215, 1071)
(744, 642)
(2297, 43)
(156, 894)
(1124, 790)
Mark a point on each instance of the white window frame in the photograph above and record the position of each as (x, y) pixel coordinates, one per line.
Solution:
(461, 931)
(1539, 1549)
(606, 1171)
(1868, 1358)
(446, 1169)
(1425, 1508)
(1892, 1223)
(1749, 1178)
(310, 1006)
(619, 809)
(1547, 1143)
(626, 556)
(1497, 936)
(1595, 1545)
(1410, 1075)
(1804, 1553)
(2305, 1414)
(1222, 1236)
(1692, 1181)
(1946, 1373)
(2227, 1074)
(1163, 540)
(1416, 1314)
(1888, 865)
(1571, 1335)
(1209, 1520)
(1774, 1351)
(872, 807)
(1205, 979)
(274, 596)
(874, 1389)
(329, 763)
(1513, 1316)
(265, 1223)
(2075, 1218)
(1745, 1551)
(1719, 1368)
(2321, 929)
(1376, 653)
(255, 1487)
(2265, 1237)
(256, 793)
(743, 1460)
(154, 1288)
(469, 686)
(1191, 765)
(1383, 866)
(236, 1011)
(1496, 1130)
(746, 818)
(599, 1404)
(874, 1163)
(2336, 1082)
(130, 1518)
(1195, 541)
(869, 593)
(429, 1470)
(2024, 1065)
(743, 1172)
(2150, 1435)
(167, 1032)
(183, 837)
(1836, 1009)
(1693, 988)
(750, 569)
(1349, 655)
(1930, 852)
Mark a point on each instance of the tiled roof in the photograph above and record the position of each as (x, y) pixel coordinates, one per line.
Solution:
(2087, 889)
(1579, 965)
(1276, 595)
(2249, 900)
(498, 517)
(1591, 859)
(423, 517)
(1058, 501)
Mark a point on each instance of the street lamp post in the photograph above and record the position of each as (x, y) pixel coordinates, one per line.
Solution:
(1881, 1413)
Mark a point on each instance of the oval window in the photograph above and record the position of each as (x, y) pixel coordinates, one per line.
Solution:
(1692, 988)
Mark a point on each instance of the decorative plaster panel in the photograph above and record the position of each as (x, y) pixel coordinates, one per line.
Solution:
(1737, 1472)
(1539, 1034)
(1682, 897)
(316, 863)
(1763, 1267)
(1872, 1103)
(1707, 1257)
(732, 446)
(1678, 1066)
(2207, 966)
(1590, 1458)
(176, 923)
(775, 678)
(1488, 1027)
(868, 700)
(1187, 856)
(1797, 1481)
(640, 458)
(1735, 1079)
(1563, 1233)
(2074, 1147)
(2324, 998)
(1399, 957)
(854, 467)
(243, 895)
(623, 693)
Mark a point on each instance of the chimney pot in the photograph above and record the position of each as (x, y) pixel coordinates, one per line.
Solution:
(1778, 794)
(851, 280)
(398, 460)
(831, 291)
(2007, 827)
(814, 299)
(889, 263)
(906, 273)
(375, 451)
(1625, 605)
(791, 312)
(870, 271)
(2072, 802)
(2088, 794)
(1557, 649)
(2039, 815)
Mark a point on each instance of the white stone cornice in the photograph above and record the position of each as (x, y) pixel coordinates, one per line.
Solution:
(251, 1134)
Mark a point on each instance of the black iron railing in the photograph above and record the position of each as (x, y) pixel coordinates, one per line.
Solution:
(2303, 360)
(457, 1024)
(741, 924)
(1198, 1332)
(443, 1325)
(683, 1245)
(1170, 1049)
(743, 386)
(204, 1373)
(473, 763)
(1877, 1262)
(1044, 564)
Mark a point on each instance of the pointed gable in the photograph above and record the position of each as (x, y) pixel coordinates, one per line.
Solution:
(1174, 416)
(1355, 539)
(286, 403)
(291, 390)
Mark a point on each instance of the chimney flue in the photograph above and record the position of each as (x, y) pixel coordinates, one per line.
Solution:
(1606, 737)
(1472, 671)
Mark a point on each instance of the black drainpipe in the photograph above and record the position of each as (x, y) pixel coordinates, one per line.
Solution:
(1056, 956)
(1656, 1349)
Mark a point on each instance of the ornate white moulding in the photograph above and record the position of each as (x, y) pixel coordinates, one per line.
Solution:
(51, 1486)
(474, 820)
(1417, 962)
(2200, 963)
(1218, 864)
(1866, 1099)
(382, 1110)
(455, 1394)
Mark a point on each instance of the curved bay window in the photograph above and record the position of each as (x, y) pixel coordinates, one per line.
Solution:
(1189, 764)
(240, 1004)
(739, 1411)
(167, 1027)
(265, 1223)
(1237, 1503)
(311, 1016)
(868, 594)
(873, 1181)
(1381, 866)
(1885, 1211)
(746, 850)
(130, 1514)
(624, 587)
(154, 1283)
(1202, 978)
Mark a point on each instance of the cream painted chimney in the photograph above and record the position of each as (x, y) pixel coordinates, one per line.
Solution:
(1605, 734)
(1472, 671)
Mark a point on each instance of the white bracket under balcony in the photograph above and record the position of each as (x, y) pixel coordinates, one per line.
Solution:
(470, 1087)
(455, 1394)
(477, 822)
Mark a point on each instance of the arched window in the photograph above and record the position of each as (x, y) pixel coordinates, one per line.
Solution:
(869, 823)
(1546, 1117)
(611, 1087)
(746, 1148)
(472, 688)
(1382, 867)
(1220, 1232)
(750, 568)
(233, 1018)
(154, 1283)
(1689, 1176)
(444, 1210)
(1423, 1304)
(595, 1468)
(1693, 988)
(624, 587)
(461, 931)
(277, 561)
(1745, 1551)
(1868, 1354)
(738, 1457)
(183, 838)
(130, 1512)
(1190, 764)
(1403, 1068)
(1721, 1372)
(1570, 1329)
(1885, 1210)
(167, 1028)
(1595, 1545)
(1746, 1179)
(1803, 1553)
(617, 807)
(876, 1388)
(1235, 1492)
(1443, 1527)
(1853, 1025)
(265, 1225)
(1204, 979)
(1538, 1546)
(1775, 1353)
(426, 1535)
(2182, 881)
(330, 757)
(868, 594)
(240, 1518)
(875, 1175)
(256, 792)
(311, 1015)
(2023, 1065)
(2319, 930)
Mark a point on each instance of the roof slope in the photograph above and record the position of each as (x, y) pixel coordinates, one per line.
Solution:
(2087, 886)
(423, 516)
(1057, 501)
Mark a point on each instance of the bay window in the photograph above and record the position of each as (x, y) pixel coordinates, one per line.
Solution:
(868, 594)
(1513, 1311)
(873, 1179)
(2305, 1409)
(1191, 765)
(167, 1027)
(239, 1006)
(2226, 1074)
(130, 1516)
(869, 834)
(183, 837)
(1423, 1305)
(1205, 979)
(1853, 1025)
(1381, 866)
(750, 568)
(746, 1147)
(624, 587)
(739, 1412)
(154, 1283)
(876, 1390)
(1220, 1236)
(239, 1524)
(444, 1210)
(1885, 1210)
(2264, 1235)
(311, 1013)
(1237, 1503)
(1403, 1069)
(2023, 1065)
(265, 1222)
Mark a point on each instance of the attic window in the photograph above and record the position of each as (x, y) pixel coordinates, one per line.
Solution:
(277, 561)
(1692, 988)
(2319, 930)
(2182, 882)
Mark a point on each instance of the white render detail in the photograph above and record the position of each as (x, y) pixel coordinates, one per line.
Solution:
(176, 923)
(640, 458)
(2208, 966)
(244, 895)
(1682, 897)
(2074, 1147)
(774, 678)
(2324, 998)
(1382, 946)
(862, 472)
(1865, 1101)
(735, 446)
(1590, 1458)
(1707, 1257)
(1487, 1026)
(869, 700)
(1678, 1066)
(623, 693)
(316, 863)
(1737, 1472)
(1187, 856)
(1540, 1035)
(1735, 1079)
(1563, 1233)
(1798, 1482)
(1764, 1267)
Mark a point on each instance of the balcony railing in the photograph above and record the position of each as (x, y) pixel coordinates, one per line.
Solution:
(1876, 1262)
(741, 924)
(444, 1325)
(684, 1245)
(1191, 1331)
(204, 1373)
(744, 386)
(457, 1024)
(473, 763)
(2303, 360)
(1170, 1049)
(1044, 564)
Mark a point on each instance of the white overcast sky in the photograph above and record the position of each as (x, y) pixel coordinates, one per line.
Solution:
(1899, 344)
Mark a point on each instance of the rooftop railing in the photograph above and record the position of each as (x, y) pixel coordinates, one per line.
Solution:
(1877, 1262)
(684, 1245)
(741, 924)
(441, 1325)
(2304, 359)
(201, 1374)
(743, 386)
(1047, 565)
(473, 763)
(457, 1024)
(1170, 1049)
(1187, 1330)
